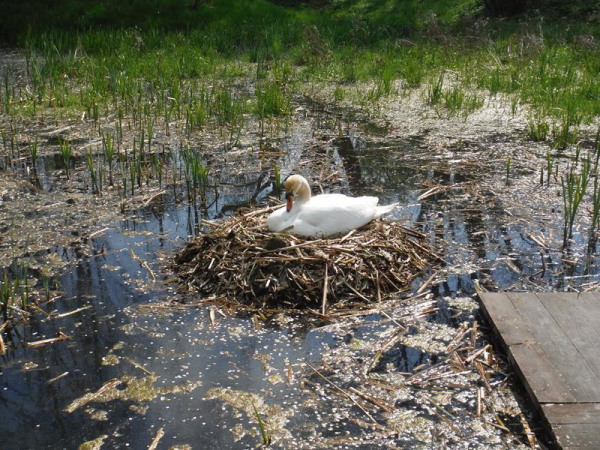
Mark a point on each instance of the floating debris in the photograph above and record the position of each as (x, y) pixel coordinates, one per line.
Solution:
(137, 389)
(60, 337)
(159, 434)
(239, 260)
(96, 444)
(273, 416)
(110, 360)
(409, 397)
(30, 365)
(97, 414)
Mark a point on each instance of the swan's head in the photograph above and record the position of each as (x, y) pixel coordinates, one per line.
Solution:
(293, 184)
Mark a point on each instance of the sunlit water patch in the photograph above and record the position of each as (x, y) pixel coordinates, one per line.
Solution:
(138, 358)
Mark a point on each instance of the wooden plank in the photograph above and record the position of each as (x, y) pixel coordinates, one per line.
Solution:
(582, 328)
(572, 413)
(553, 341)
(538, 374)
(577, 435)
(590, 302)
(505, 318)
(570, 365)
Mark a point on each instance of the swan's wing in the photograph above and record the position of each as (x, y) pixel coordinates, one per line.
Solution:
(334, 213)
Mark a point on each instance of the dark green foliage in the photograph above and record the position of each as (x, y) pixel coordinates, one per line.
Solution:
(271, 26)
(500, 8)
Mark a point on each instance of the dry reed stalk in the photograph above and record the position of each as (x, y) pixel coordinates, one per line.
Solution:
(343, 392)
(61, 337)
(159, 434)
(55, 379)
(82, 401)
(240, 260)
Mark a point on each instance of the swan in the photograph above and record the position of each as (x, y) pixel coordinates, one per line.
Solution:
(323, 215)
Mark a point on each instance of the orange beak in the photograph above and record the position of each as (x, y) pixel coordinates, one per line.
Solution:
(290, 201)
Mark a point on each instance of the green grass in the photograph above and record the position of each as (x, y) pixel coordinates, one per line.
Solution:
(163, 60)
(66, 151)
(272, 100)
(574, 186)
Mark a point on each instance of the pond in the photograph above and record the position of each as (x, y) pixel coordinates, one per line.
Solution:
(145, 363)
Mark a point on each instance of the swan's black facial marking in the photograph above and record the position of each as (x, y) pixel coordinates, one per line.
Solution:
(289, 196)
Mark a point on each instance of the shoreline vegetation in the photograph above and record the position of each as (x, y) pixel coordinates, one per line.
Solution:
(188, 58)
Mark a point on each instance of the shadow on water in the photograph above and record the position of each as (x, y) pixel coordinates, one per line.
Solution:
(181, 355)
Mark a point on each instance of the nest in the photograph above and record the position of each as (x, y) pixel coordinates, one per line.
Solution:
(239, 260)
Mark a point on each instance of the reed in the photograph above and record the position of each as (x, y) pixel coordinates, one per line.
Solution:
(548, 167)
(538, 127)
(150, 135)
(95, 173)
(266, 438)
(109, 152)
(66, 152)
(5, 295)
(272, 100)
(574, 186)
(435, 92)
(592, 236)
(23, 283)
(277, 184)
(138, 167)
(454, 99)
(565, 133)
(7, 94)
(4, 141)
(158, 168)
(132, 174)
(46, 285)
(186, 153)
(457, 101)
(34, 154)
(199, 177)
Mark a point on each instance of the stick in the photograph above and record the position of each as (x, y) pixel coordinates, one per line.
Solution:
(147, 202)
(91, 396)
(53, 380)
(325, 283)
(139, 366)
(343, 393)
(471, 358)
(530, 434)
(60, 316)
(61, 337)
(143, 263)
(424, 285)
(98, 232)
(159, 434)
(376, 401)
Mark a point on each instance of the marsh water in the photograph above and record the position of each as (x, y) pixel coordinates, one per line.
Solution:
(196, 372)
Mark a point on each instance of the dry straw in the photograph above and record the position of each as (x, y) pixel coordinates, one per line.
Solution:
(239, 260)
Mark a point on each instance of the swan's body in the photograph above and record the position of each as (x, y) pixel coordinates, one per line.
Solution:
(323, 215)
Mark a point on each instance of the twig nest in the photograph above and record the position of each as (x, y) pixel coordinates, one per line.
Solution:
(240, 260)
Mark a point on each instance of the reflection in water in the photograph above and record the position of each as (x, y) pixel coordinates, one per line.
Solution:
(179, 346)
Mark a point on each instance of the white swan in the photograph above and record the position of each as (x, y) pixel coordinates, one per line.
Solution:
(323, 215)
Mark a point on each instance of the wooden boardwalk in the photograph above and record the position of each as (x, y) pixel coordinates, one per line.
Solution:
(553, 342)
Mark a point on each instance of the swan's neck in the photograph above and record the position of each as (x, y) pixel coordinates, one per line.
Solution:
(304, 193)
